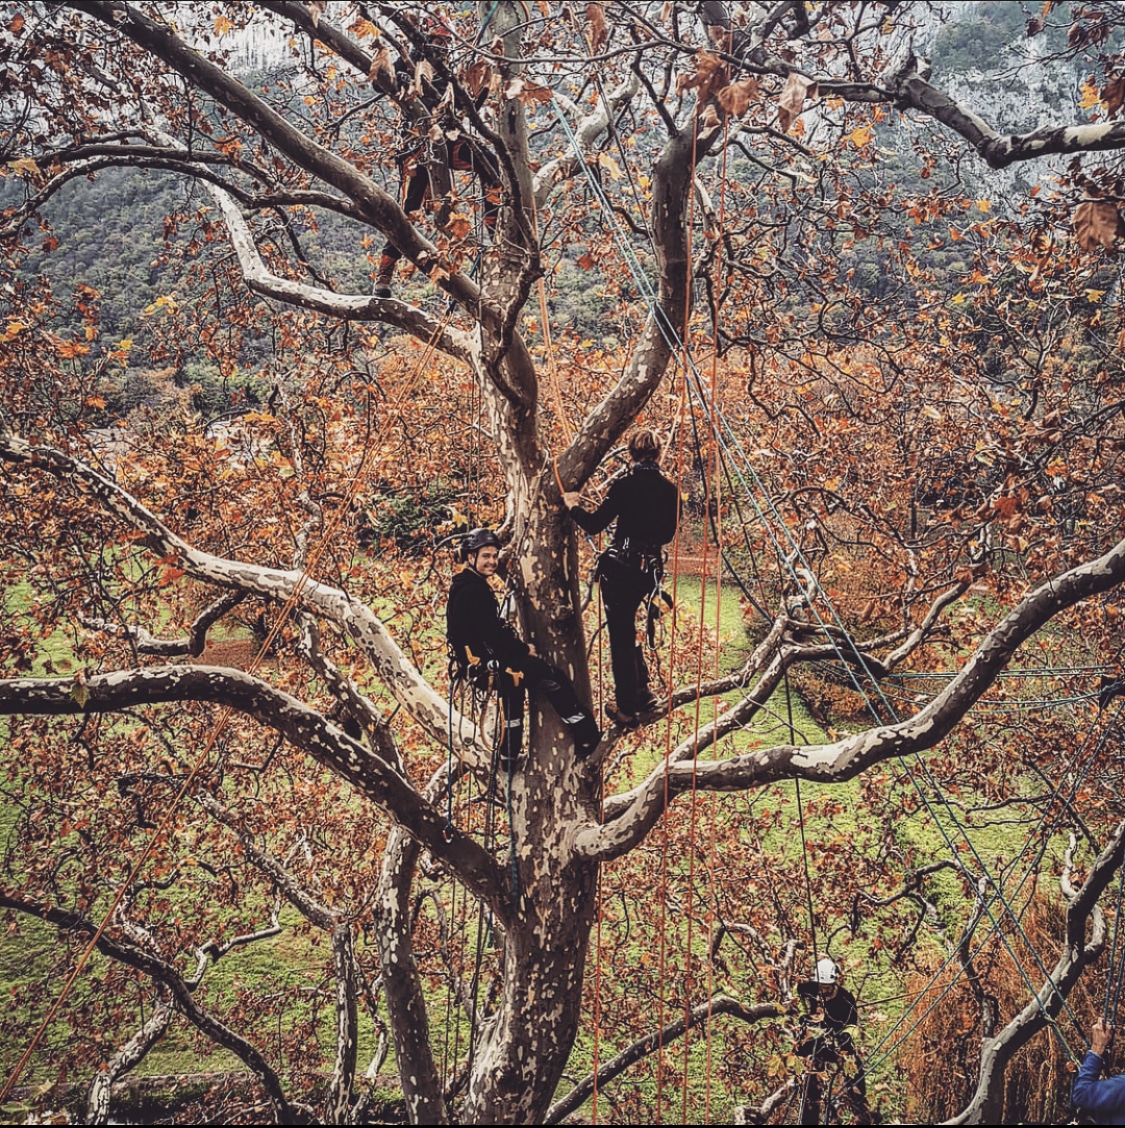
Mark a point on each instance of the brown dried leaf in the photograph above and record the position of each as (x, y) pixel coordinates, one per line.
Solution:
(317, 8)
(1098, 223)
(544, 9)
(423, 73)
(791, 103)
(709, 119)
(460, 225)
(709, 78)
(597, 30)
(382, 71)
(476, 77)
(736, 98)
(1113, 96)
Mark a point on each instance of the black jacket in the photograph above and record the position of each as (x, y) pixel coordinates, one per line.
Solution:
(472, 619)
(646, 505)
(839, 1011)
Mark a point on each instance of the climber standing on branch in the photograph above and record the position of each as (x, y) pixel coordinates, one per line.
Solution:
(485, 647)
(645, 506)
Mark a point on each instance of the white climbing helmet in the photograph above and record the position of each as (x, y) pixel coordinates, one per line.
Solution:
(826, 971)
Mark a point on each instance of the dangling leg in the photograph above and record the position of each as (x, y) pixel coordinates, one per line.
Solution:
(559, 691)
(512, 697)
(417, 183)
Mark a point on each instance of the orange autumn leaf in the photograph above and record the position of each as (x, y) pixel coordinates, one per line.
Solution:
(597, 28)
(791, 103)
(1098, 223)
(736, 98)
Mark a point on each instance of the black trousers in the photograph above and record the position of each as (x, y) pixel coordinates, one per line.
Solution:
(837, 1050)
(624, 589)
(534, 673)
(463, 158)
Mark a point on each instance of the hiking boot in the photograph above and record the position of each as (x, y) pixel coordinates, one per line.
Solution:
(647, 702)
(620, 718)
(382, 290)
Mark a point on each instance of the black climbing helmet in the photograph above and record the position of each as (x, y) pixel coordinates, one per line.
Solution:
(476, 540)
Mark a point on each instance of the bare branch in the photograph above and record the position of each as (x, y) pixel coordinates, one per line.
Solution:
(844, 759)
(300, 724)
(700, 1015)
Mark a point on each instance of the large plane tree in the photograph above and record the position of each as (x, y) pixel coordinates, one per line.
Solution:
(748, 174)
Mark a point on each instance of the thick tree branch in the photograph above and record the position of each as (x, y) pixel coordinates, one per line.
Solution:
(986, 1107)
(342, 1082)
(699, 1015)
(347, 307)
(588, 130)
(397, 671)
(127, 1058)
(301, 725)
(406, 1003)
(844, 759)
(911, 87)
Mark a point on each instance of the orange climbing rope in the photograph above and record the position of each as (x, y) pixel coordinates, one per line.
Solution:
(710, 479)
(220, 728)
(681, 415)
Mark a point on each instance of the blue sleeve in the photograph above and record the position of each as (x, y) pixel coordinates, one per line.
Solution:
(1096, 1096)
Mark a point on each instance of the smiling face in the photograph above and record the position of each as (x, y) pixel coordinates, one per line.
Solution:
(828, 991)
(486, 560)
